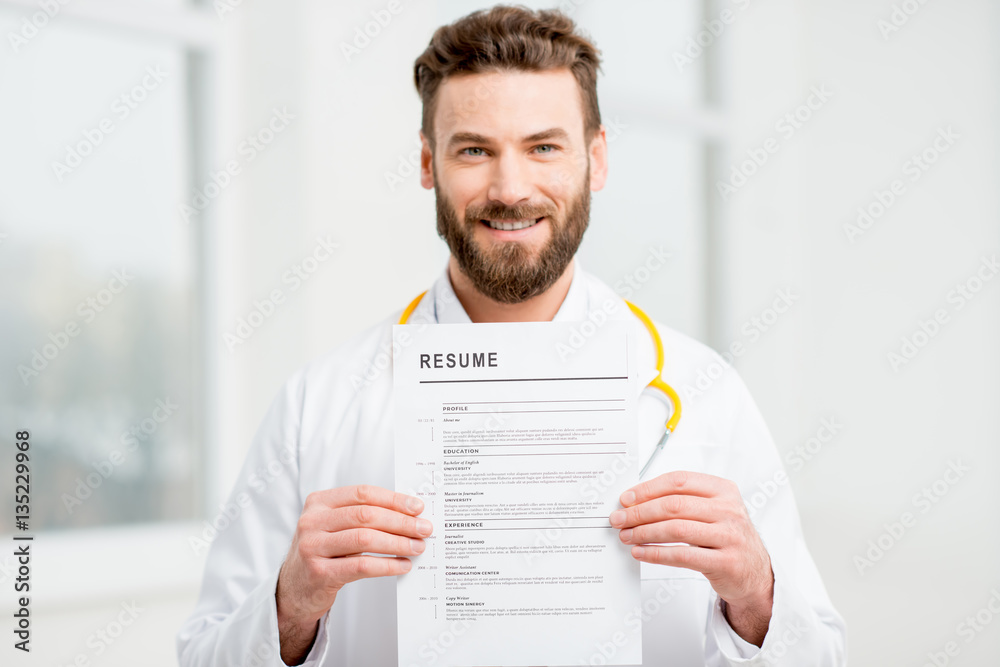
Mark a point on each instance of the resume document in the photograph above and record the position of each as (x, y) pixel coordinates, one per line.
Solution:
(519, 438)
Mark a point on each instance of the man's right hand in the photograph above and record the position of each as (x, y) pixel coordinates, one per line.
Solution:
(336, 527)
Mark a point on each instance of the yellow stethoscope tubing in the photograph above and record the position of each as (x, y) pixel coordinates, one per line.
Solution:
(656, 383)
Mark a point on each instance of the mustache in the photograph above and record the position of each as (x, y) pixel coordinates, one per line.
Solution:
(497, 211)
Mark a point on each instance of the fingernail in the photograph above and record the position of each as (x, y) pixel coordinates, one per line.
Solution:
(417, 545)
(628, 498)
(638, 552)
(626, 535)
(424, 527)
(407, 565)
(617, 517)
(414, 504)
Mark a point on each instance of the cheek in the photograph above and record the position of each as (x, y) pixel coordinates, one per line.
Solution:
(465, 188)
(561, 181)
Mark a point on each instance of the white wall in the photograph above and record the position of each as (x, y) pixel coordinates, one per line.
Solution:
(828, 356)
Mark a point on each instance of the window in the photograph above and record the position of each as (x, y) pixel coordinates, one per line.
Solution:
(100, 289)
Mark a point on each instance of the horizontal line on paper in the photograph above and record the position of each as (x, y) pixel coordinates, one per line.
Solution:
(462, 530)
(531, 412)
(465, 456)
(568, 400)
(519, 518)
(613, 377)
(524, 444)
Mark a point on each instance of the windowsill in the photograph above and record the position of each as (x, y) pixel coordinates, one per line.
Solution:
(77, 568)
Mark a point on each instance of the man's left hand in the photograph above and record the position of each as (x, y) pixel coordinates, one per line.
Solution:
(707, 514)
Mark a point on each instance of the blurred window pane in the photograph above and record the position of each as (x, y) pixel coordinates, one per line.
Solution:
(95, 158)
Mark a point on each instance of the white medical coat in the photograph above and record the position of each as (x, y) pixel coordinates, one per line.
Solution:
(331, 426)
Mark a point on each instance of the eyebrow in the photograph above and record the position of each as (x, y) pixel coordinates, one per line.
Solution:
(474, 138)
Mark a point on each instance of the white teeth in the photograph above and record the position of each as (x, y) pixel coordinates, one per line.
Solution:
(510, 226)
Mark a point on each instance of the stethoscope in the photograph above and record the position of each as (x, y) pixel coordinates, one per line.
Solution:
(663, 391)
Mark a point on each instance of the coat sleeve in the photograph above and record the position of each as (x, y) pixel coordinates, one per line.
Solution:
(804, 629)
(235, 622)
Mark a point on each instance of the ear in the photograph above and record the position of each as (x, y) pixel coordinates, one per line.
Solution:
(598, 159)
(426, 160)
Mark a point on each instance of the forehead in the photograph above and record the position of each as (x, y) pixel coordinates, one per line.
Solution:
(508, 104)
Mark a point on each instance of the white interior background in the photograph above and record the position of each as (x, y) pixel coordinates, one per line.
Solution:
(681, 132)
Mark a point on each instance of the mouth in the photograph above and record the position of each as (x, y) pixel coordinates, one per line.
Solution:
(511, 225)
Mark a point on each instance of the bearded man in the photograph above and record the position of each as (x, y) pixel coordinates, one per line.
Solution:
(513, 146)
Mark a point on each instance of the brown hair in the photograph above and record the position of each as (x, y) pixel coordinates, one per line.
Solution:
(508, 38)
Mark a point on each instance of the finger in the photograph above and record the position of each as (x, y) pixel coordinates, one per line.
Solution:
(694, 508)
(695, 533)
(691, 558)
(366, 494)
(679, 481)
(366, 540)
(353, 568)
(372, 516)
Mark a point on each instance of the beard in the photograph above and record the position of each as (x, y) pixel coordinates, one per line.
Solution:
(507, 272)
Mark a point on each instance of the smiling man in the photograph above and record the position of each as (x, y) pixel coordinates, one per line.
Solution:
(513, 146)
(512, 203)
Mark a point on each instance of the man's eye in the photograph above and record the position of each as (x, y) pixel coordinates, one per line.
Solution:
(550, 148)
(473, 148)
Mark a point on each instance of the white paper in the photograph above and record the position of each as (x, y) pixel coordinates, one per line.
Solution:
(520, 451)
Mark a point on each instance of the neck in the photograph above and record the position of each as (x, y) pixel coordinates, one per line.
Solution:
(480, 308)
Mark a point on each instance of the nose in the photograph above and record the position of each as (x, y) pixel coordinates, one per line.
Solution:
(509, 181)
